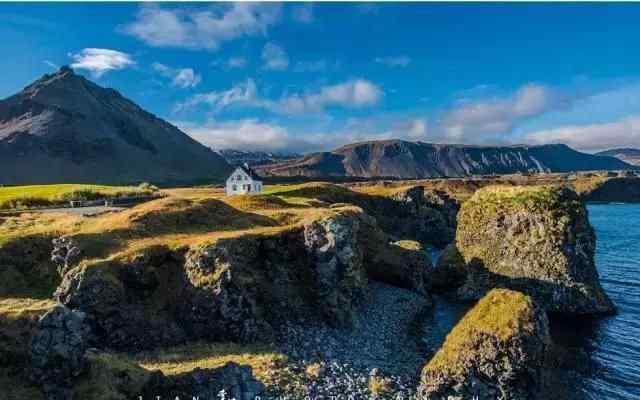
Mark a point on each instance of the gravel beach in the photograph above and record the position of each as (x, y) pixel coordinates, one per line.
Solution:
(384, 345)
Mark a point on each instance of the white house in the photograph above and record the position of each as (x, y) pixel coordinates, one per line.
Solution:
(243, 180)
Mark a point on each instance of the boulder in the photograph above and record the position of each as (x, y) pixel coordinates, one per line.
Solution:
(495, 352)
(336, 260)
(534, 239)
(58, 351)
(129, 303)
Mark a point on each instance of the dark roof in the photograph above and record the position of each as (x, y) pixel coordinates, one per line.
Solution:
(252, 174)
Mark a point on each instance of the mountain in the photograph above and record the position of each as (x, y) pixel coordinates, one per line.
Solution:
(254, 158)
(64, 128)
(628, 155)
(402, 159)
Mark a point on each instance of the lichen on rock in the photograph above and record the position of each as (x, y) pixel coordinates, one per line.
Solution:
(496, 351)
(534, 239)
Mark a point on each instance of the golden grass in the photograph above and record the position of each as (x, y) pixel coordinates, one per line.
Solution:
(379, 386)
(18, 308)
(268, 365)
(43, 195)
(501, 314)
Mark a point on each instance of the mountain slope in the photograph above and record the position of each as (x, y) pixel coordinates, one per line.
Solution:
(65, 129)
(402, 159)
(628, 155)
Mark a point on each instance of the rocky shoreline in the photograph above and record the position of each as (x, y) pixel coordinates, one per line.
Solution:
(340, 293)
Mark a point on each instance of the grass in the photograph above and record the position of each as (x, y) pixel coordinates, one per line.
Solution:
(46, 195)
(502, 315)
(12, 309)
(379, 386)
(269, 366)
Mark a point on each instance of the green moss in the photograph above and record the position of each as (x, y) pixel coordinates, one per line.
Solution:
(110, 377)
(502, 315)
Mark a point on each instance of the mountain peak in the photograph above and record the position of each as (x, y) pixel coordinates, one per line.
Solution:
(65, 128)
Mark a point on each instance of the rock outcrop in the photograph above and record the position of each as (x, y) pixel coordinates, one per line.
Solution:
(337, 266)
(58, 352)
(240, 287)
(429, 216)
(534, 239)
(495, 352)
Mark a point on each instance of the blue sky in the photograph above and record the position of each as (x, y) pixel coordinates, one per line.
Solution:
(312, 76)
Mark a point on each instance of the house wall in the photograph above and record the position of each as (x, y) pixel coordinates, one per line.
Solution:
(244, 185)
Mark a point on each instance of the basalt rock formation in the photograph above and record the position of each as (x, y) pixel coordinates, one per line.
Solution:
(238, 288)
(58, 352)
(497, 351)
(537, 240)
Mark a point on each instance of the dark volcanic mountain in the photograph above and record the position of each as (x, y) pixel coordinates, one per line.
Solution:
(628, 155)
(253, 158)
(402, 159)
(65, 129)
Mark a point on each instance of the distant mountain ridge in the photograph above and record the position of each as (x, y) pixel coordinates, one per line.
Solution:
(417, 160)
(64, 128)
(627, 154)
(254, 158)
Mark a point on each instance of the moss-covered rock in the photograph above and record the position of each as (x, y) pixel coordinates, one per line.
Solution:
(534, 239)
(495, 351)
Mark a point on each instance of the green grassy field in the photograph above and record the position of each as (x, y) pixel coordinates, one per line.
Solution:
(45, 195)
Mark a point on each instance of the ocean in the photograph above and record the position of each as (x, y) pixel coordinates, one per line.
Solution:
(607, 365)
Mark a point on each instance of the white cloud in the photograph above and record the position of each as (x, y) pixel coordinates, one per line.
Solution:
(100, 61)
(417, 129)
(201, 28)
(244, 94)
(500, 115)
(246, 134)
(303, 13)
(51, 64)
(274, 57)
(180, 77)
(399, 61)
(354, 94)
(622, 133)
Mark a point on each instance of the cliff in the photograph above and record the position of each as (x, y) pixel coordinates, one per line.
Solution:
(534, 239)
(496, 351)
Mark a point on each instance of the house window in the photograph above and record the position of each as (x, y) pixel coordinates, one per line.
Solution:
(239, 177)
(234, 187)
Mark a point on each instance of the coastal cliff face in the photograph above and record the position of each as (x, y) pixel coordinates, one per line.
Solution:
(239, 288)
(496, 351)
(534, 239)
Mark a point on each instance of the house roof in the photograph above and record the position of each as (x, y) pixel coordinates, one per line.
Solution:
(252, 174)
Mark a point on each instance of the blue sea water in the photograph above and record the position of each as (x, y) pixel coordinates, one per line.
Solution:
(613, 343)
(609, 347)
